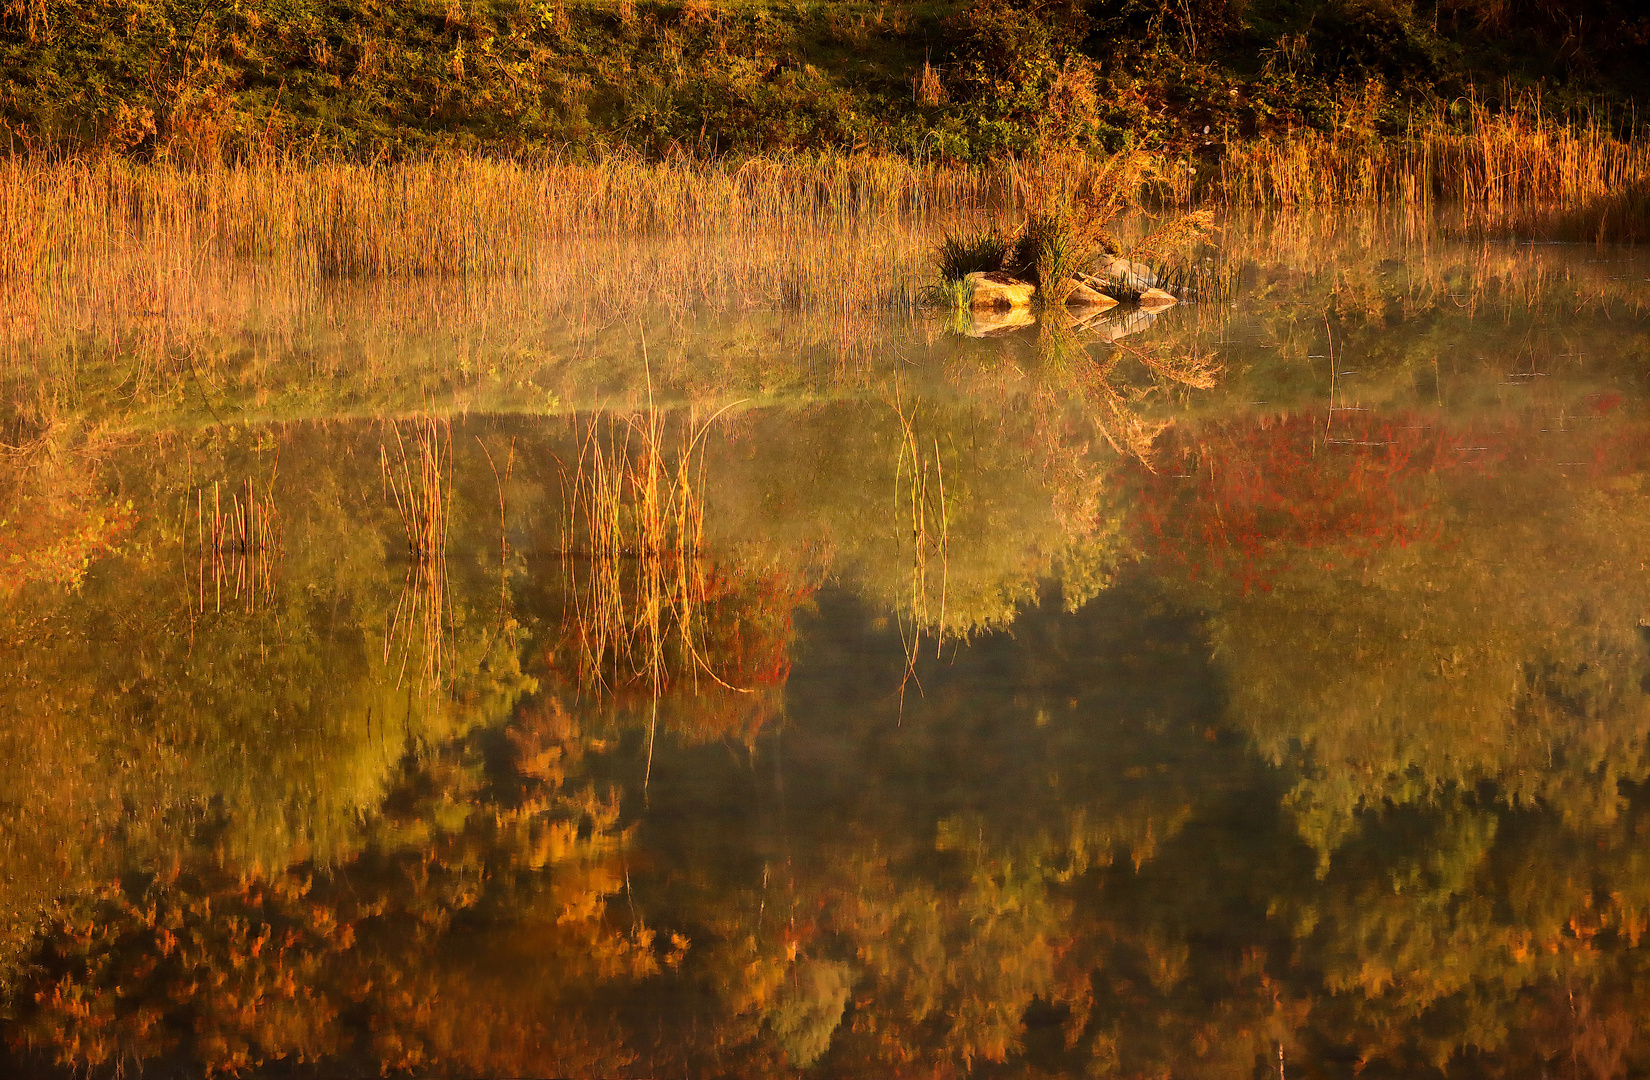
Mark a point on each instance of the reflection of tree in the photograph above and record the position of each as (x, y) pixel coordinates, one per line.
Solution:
(130, 720)
(732, 682)
(1024, 492)
(1063, 855)
(1505, 649)
(936, 847)
(292, 715)
(1450, 708)
(1249, 497)
(372, 959)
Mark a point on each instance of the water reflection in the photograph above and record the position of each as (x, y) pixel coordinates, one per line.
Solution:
(1263, 694)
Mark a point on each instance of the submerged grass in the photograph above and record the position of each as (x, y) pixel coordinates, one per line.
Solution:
(920, 508)
(633, 553)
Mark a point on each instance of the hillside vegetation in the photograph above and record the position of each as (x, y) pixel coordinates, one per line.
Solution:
(200, 80)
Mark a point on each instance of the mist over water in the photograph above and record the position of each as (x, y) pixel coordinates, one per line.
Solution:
(462, 676)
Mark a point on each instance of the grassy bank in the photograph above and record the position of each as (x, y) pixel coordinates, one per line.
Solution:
(959, 79)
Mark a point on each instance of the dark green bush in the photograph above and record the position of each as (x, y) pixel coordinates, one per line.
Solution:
(959, 256)
(1374, 37)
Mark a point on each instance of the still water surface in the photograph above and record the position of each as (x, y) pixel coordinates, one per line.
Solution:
(1263, 693)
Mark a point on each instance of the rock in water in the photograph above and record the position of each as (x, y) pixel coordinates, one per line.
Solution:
(996, 289)
(1157, 298)
(1081, 296)
(1132, 276)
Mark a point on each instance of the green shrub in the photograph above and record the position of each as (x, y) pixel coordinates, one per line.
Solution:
(1017, 80)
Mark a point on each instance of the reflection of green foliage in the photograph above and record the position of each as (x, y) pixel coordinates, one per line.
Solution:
(272, 724)
(1064, 855)
(1017, 504)
(1512, 656)
(810, 1008)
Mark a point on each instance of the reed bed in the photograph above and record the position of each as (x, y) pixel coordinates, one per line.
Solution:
(254, 345)
(238, 546)
(189, 286)
(66, 221)
(462, 215)
(167, 307)
(1517, 169)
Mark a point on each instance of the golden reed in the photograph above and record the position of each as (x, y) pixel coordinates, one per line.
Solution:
(1516, 171)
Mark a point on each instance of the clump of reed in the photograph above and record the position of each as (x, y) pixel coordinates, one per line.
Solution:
(1164, 259)
(238, 546)
(418, 480)
(954, 295)
(961, 254)
(1210, 280)
(633, 552)
(920, 507)
(1068, 232)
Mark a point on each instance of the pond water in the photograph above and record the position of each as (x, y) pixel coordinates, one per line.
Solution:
(410, 677)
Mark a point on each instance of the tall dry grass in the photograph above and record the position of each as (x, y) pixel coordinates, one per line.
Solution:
(81, 223)
(193, 286)
(158, 268)
(1516, 169)
(68, 219)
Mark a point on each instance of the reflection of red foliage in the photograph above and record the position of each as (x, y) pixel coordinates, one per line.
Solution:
(746, 643)
(748, 627)
(1250, 496)
(1605, 402)
(1242, 497)
(55, 538)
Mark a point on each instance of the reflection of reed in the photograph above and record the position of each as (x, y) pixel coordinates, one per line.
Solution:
(919, 497)
(419, 481)
(238, 546)
(633, 552)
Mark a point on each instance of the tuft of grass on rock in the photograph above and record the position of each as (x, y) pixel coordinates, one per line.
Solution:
(971, 253)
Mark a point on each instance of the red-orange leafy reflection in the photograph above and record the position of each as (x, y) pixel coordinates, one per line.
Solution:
(1251, 497)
